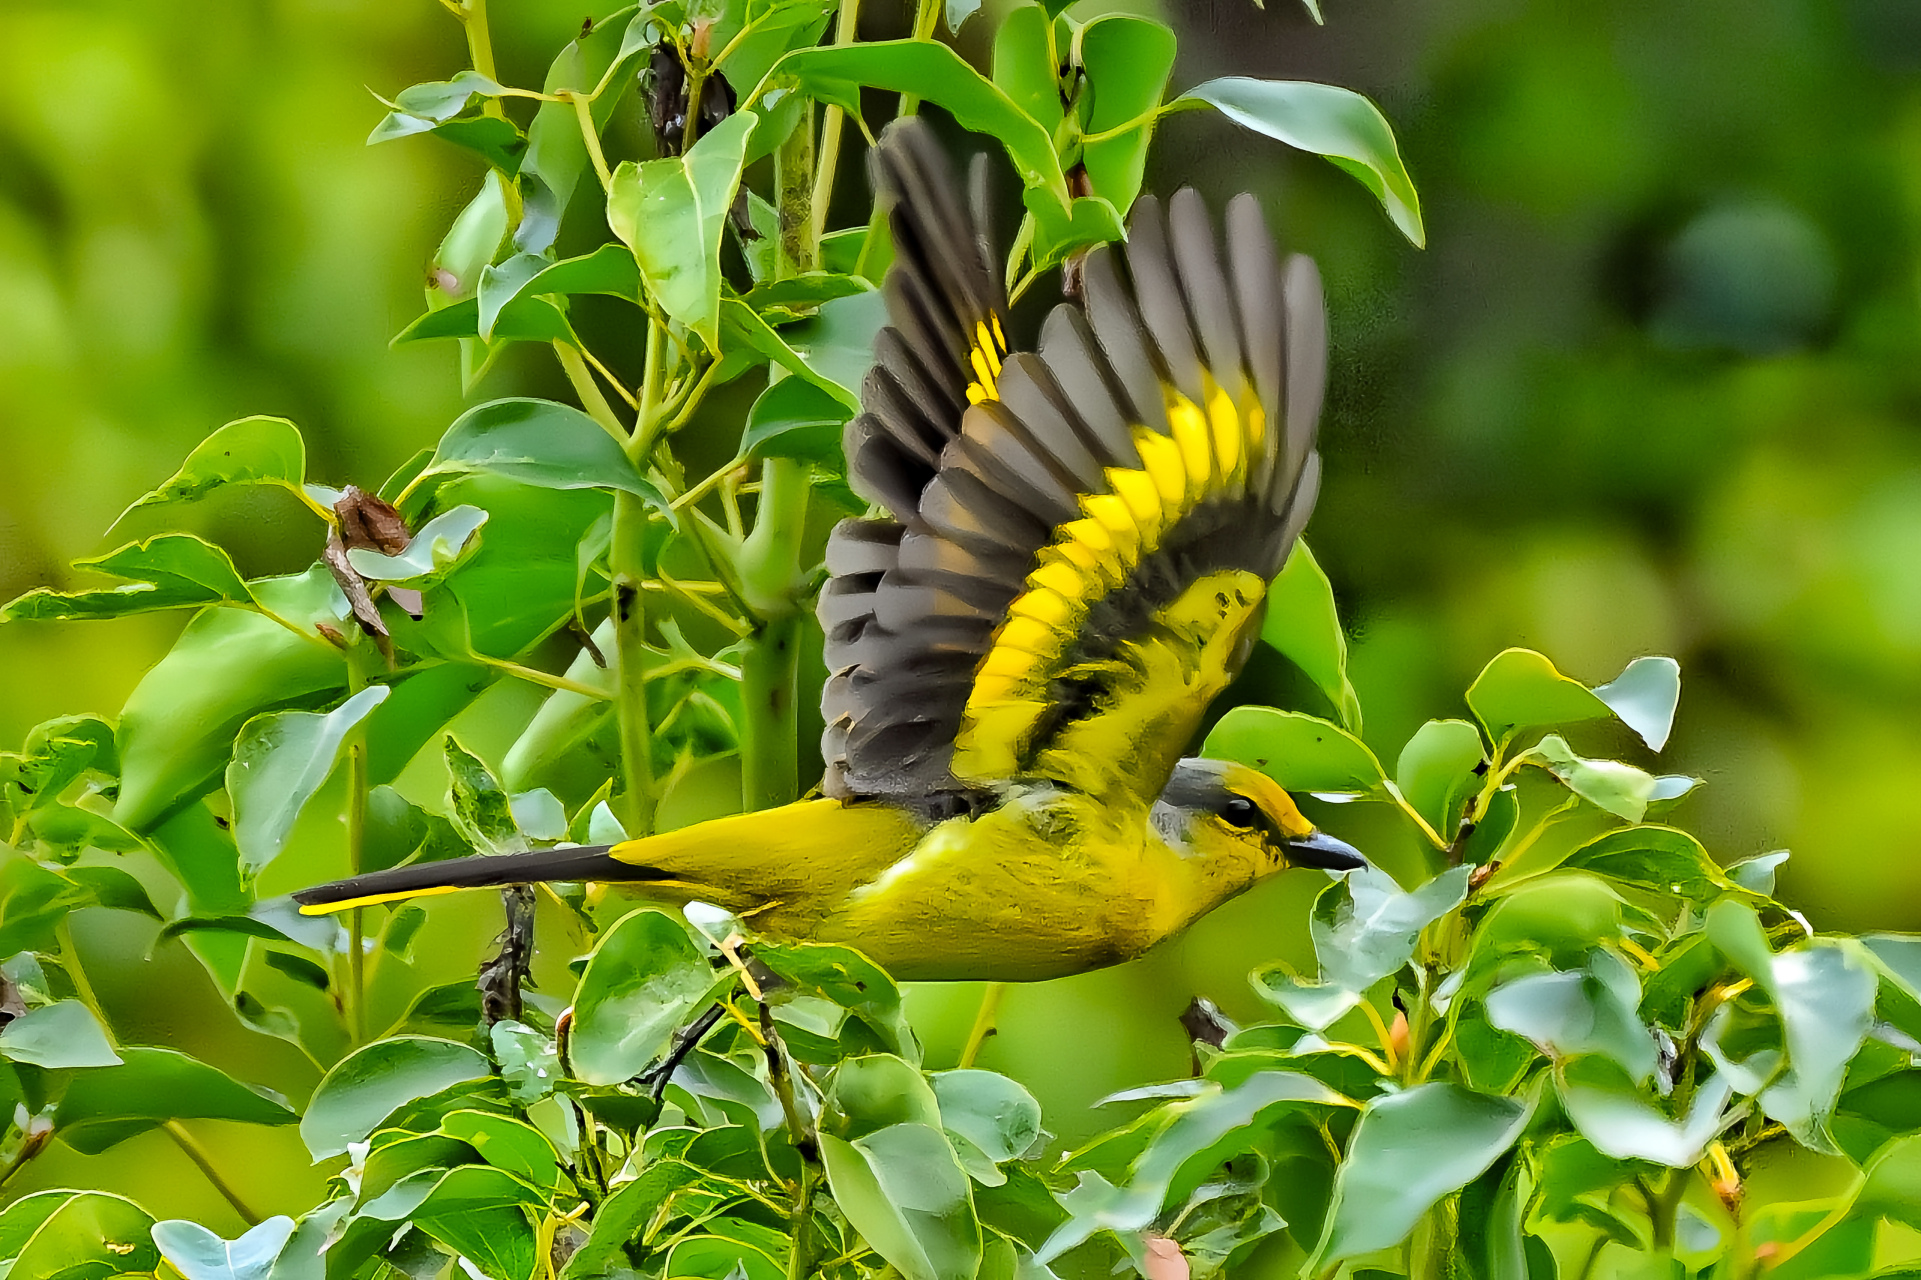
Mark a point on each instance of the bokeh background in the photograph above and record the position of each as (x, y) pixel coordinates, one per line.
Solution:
(1653, 387)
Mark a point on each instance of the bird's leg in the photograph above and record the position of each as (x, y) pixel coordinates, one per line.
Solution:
(991, 998)
(501, 977)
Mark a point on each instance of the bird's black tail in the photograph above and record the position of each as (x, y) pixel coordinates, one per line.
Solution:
(590, 862)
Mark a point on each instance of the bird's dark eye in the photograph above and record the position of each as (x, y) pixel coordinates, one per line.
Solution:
(1239, 811)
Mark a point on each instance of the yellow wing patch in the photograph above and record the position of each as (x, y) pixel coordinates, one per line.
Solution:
(990, 344)
(1206, 455)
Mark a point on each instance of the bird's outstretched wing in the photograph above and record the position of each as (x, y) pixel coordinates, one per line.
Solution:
(1081, 537)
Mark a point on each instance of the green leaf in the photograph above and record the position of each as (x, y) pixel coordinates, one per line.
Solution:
(642, 983)
(836, 74)
(507, 1143)
(104, 1105)
(33, 902)
(438, 546)
(199, 1254)
(1364, 928)
(847, 979)
(719, 1257)
(959, 11)
(89, 1236)
(1520, 688)
(63, 1034)
(1439, 770)
(1128, 61)
(1662, 859)
(834, 347)
(500, 284)
(903, 1189)
(525, 319)
(1823, 992)
(1560, 917)
(1410, 1149)
(257, 450)
(994, 1113)
(1329, 121)
(375, 1080)
(1756, 874)
(279, 761)
(609, 270)
(1594, 1010)
(481, 1214)
(671, 212)
(542, 444)
(1026, 67)
(1643, 698)
(170, 571)
(178, 726)
(625, 1213)
(1303, 625)
(1614, 1116)
(1185, 1148)
(482, 811)
(1892, 1188)
(1301, 752)
(1621, 789)
(794, 418)
(443, 99)
(876, 1090)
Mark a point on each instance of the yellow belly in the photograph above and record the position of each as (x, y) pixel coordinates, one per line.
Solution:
(1048, 884)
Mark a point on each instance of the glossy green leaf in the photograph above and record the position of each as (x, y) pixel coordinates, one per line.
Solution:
(959, 11)
(506, 1143)
(178, 726)
(257, 450)
(63, 1034)
(994, 1113)
(834, 347)
(437, 546)
(500, 284)
(1622, 1122)
(1329, 121)
(1559, 917)
(1621, 789)
(903, 1189)
(104, 1105)
(369, 1084)
(1643, 698)
(1301, 752)
(542, 444)
(482, 1214)
(1127, 60)
(877, 1090)
(642, 983)
(1823, 992)
(727, 1257)
(1662, 859)
(481, 809)
(279, 761)
(170, 571)
(1410, 1149)
(1520, 688)
(525, 319)
(443, 99)
(1757, 873)
(1026, 66)
(89, 1236)
(625, 1213)
(1304, 626)
(1439, 770)
(199, 1254)
(1892, 1188)
(671, 212)
(1567, 1014)
(33, 902)
(1364, 928)
(836, 74)
(794, 418)
(1185, 1148)
(847, 979)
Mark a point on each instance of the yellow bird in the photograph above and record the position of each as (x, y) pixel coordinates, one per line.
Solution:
(1074, 562)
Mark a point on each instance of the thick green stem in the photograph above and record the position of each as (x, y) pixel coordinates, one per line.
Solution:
(627, 562)
(480, 47)
(831, 119)
(770, 668)
(769, 562)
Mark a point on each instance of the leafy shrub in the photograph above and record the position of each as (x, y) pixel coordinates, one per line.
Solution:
(1577, 1030)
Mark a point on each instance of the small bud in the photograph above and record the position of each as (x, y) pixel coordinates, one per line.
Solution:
(1165, 1261)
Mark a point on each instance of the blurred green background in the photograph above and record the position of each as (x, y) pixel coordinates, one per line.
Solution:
(1653, 387)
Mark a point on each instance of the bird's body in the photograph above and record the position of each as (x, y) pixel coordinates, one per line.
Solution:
(1072, 565)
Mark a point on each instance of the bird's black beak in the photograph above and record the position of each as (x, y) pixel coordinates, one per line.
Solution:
(1325, 852)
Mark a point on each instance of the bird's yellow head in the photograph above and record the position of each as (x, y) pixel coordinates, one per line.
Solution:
(1235, 826)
